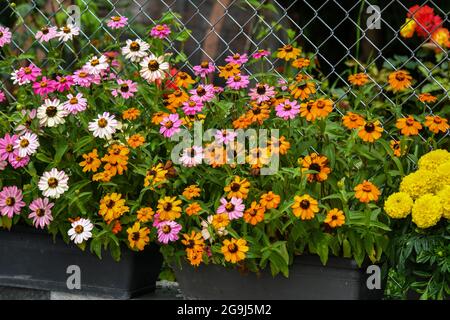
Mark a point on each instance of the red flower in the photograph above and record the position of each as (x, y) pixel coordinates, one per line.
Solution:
(168, 83)
(427, 21)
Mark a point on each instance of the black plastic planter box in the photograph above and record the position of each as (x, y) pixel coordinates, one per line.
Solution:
(340, 279)
(30, 259)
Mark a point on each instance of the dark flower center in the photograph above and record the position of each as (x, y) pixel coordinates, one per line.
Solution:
(232, 248)
(370, 127)
(102, 123)
(110, 204)
(201, 91)
(204, 64)
(45, 30)
(229, 207)
(40, 212)
(315, 167)
(166, 229)
(153, 65)
(24, 143)
(235, 187)
(10, 201)
(304, 204)
(66, 29)
(288, 48)
(73, 100)
(261, 89)
(79, 229)
(136, 236)
(51, 111)
(134, 46)
(167, 206)
(168, 124)
(9, 148)
(52, 182)
(27, 70)
(124, 87)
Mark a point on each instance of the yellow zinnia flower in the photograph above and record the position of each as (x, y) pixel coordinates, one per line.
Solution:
(234, 250)
(169, 208)
(137, 237)
(238, 188)
(112, 207)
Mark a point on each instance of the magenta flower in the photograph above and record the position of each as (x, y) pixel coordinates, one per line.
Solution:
(7, 147)
(283, 84)
(156, 221)
(260, 54)
(11, 201)
(237, 58)
(225, 136)
(168, 231)
(203, 93)
(46, 34)
(117, 22)
(5, 36)
(126, 89)
(261, 93)
(170, 125)
(2, 96)
(111, 58)
(287, 109)
(218, 90)
(203, 69)
(18, 161)
(63, 83)
(28, 74)
(238, 82)
(192, 107)
(234, 208)
(160, 31)
(75, 104)
(41, 212)
(44, 87)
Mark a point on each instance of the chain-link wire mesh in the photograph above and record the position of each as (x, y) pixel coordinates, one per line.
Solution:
(363, 35)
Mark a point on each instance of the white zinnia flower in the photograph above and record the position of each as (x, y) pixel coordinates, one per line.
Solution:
(153, 68)
(192, 157)
(66, 33)
(96, 65)
(51, 113)
(135, 50)
(104, 126)
(53, 183)
(27, 144)
(81, 230)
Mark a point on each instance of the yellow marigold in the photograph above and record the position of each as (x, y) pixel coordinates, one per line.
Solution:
(427, 211)
(444, 196)
(434, 159)
(398, 205)
(443, 174)
(418, 183)
(145, 214)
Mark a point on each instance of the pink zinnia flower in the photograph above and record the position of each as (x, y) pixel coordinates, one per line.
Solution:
(75, 104)
(117, 22)
(29, 116)
(7, 147)
(234, 208)
(261, 93)
(237, 58)
(203, 93)
(18, 161)
(126, 89)
(192, 107)
(192, 157)
(203, 69)
(111, 58)
(218, 90)
(11, 201)
(156, 221)
(44, 87)
(63, 83)
(168, 231)
(2, 96)
(28, 74)
(260, 54)
(5, 36)
(46, 34)
(41, 212)
(160, 31)
(238, 82)
(283, 83)
(287, 109)
(84, 79)
(170, 125)
(225, 136)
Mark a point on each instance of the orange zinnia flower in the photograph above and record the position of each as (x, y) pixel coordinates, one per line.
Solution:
(145, 214)
(399, 80)
(183, 80)
(131, 114)
(322, 107)
(305, 111)
(302, 90)
(176, 99)
(408, 126)
(427, 98)
(305, 207)
(229, 70)
(91, 161)
(436, 124)
(366, 192)
(335, 218)
(371, 131)
(254, 214)
(358, 79)
(300, 63)
(288, 52)
(193, 209)
(158, 117)
(270, 200)
(316, 162)
(136, 141)
(396, 147)
(352, 120)
(193, 191)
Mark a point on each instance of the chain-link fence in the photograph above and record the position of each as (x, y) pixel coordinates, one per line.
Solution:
(347, 35)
